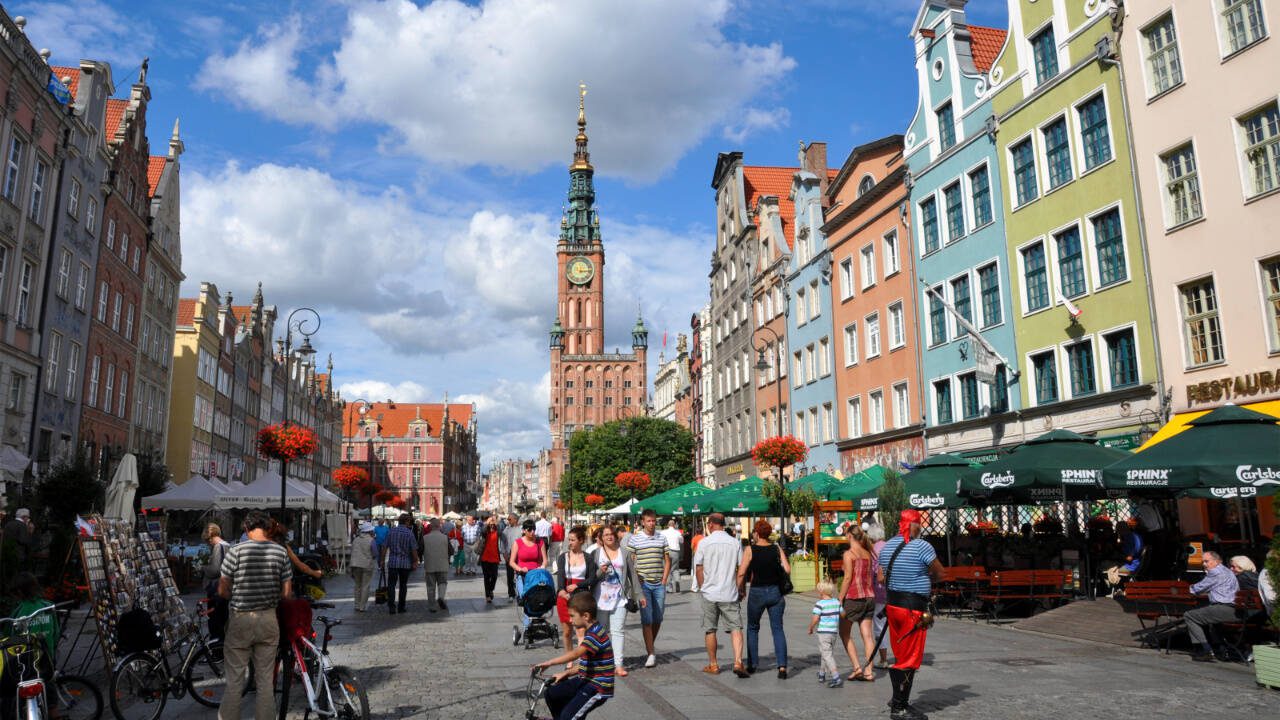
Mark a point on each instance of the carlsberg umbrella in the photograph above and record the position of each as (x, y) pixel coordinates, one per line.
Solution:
(1044, 469)
(675, 501)
(745, 497)
(932, 484)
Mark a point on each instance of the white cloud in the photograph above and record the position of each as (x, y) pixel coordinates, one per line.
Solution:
(512, 417)
(88, 29)
(406, 391)
(495, 84)
(754, 120)
(508, 259)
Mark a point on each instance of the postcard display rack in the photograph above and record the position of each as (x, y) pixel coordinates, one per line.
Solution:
(127, 569)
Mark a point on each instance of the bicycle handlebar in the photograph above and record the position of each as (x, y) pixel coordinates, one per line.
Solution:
(25, 618)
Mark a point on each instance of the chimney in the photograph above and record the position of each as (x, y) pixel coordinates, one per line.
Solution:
(815, 161)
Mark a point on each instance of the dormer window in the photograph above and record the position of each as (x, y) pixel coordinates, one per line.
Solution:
(865, 185)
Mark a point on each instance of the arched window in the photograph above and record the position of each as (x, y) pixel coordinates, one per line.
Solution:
(865, 185)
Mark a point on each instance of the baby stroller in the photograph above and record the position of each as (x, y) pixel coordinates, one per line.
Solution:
(539, 598)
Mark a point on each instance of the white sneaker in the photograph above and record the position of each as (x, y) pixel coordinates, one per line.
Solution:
(651, 661)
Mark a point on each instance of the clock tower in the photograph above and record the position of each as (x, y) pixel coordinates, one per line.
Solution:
(589, 386)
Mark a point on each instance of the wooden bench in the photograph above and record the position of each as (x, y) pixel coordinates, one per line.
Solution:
(1010, 587)
(960, 585)
(1159, 605)
(1250, 615)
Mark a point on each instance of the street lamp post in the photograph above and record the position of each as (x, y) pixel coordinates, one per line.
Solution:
(306, 326)
(362, 410)
(762, 365)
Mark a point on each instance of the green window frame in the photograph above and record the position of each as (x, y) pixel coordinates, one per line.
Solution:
(989, 284)
(1122, 358)
(1080, 365)
(955, 212)
(1000, 391)
(946, 126)
(937, 318)
(929, 224)
(1045, 50)
(942, 401)
(960, 298)
(1094, 132)
(1071, 262)
(1057, 153)
(980, 185)
(1108, 241)
(1035, 276)
(1024, 171)
(969, 406)
(1046, 375)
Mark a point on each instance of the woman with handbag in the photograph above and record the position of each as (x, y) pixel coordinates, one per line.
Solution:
(574, 574)
(363, 564)
(858, 602)
(765, 566)
(617, 590)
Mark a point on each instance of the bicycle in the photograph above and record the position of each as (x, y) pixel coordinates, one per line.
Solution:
(71, 696)
(143, 681)
(333, 691)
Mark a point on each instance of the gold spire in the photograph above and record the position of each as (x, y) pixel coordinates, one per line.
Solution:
(582, 107)
(581, 158)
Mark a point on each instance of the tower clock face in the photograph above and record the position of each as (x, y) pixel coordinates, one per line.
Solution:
(580, 270)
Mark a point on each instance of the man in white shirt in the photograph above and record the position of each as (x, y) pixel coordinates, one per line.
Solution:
(542, 531)
(675, 541)
(715, 566)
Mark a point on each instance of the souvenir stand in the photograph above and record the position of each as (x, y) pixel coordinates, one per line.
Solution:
(125, 569)
(828, 516)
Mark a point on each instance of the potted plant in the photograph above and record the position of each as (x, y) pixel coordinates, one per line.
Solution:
(1266, 658)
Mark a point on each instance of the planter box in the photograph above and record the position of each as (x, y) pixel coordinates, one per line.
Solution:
(1266, 663)
(802, 574)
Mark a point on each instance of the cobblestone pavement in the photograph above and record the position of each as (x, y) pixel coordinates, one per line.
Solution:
(461, 664)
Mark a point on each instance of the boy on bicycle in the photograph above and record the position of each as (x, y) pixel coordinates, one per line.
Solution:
(592, 682)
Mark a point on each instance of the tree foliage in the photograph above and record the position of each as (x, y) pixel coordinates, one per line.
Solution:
(799, 502)
(70, 487)
(660, 448)
(892, 498)
(153, 475)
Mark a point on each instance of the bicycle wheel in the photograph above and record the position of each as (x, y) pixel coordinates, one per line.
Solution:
(75, 698)
(350, 702)
(139, 688)
(205, 677)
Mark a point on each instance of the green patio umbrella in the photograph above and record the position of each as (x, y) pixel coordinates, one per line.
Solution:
(1228, 453)
(673, 501)
(1058, 465)
(745, 497)
(931, 485)
(857, 487)
(820, 483)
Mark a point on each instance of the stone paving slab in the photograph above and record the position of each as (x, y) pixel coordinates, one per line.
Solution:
(461, 664)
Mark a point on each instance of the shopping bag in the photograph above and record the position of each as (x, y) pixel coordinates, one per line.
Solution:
(380, 595)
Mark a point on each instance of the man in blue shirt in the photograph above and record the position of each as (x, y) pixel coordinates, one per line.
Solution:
(908, 567)
(1220, 585)
(401, 559)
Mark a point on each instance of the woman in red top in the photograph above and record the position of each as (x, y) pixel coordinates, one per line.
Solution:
(858, 601)
(489, 557)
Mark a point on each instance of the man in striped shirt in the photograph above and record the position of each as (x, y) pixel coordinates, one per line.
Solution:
(653, 565)
(255, 575)
(572, 698)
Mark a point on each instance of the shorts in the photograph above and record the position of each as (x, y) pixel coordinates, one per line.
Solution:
(855, 610)
(655, 596)
(726, 616)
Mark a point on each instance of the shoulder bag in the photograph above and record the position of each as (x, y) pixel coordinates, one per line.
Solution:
(786, 586)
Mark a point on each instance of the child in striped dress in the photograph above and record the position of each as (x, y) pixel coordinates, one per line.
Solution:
(826, 620)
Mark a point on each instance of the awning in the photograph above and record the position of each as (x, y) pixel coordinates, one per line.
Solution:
(1178, 422)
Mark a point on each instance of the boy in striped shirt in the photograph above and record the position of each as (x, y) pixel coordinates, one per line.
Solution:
(571, 698)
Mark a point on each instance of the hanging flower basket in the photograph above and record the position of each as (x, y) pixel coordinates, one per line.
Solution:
(398, 502)
(384, 496)
(349, 477)
(560, 505)
(634, 480)
(779, 452)
(594, 500)
(286, 441)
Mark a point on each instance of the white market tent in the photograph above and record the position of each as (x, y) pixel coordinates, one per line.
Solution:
(324, 499)
(264, 494)
(623, 509)
(197, 493)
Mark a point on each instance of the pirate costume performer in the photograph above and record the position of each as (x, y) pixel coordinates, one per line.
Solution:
(908, 562)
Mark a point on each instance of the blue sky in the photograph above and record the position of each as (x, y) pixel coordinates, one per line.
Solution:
(401, 166)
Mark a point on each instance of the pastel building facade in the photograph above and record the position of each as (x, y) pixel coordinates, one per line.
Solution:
(958, 235)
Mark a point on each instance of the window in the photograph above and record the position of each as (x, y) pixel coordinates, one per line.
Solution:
(980, 186)
(815, 310)
(942, 401)
(865, 185)
(94, 371)
(1164, 65)
(128, 323)
(1201, 324)
(824, 357)
(961, 301)
(137, 256)
(51, 363)
(1094, 132)
(109, 390)
(1046, 376)
(1024, 171)
(901, 406)
(1271, 291)
(853, 416)
(946, 126)
(801, 307)
(73, 199)
(868, 266)
(798, 373)
(826, 422)
(897, 326)
(91, 215)
(873, 334)
(810, 364)
(38, 180)
(937, 317)
(1070, 262)
(1000, 391)
(955, 212)
(891, 262)
(1242, 23)
(1122, 359)
(800, 428)
(124, 394)
(1080, 364)
(1057, 153)
(1035, 279)
(13, 169)
(115, 312)
(17, 390)
(64, 273)
(877, 411)
(1262, 148)
(1045, 50)
(1181, 186)
(73, 370)
(1108, 242)
(110, 239)
(24, 292)
(969, 405)
(929, 224)
(851, 341)
(4, 265)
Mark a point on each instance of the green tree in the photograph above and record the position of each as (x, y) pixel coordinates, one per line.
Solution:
(70, 488)
(892, 499)
(661, 448)
(153, 475)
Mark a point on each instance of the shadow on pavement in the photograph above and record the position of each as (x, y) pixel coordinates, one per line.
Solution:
(942, 698)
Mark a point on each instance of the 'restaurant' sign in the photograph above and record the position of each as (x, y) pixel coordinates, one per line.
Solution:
(1263, 382)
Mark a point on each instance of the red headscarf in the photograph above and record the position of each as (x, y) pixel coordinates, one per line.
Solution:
(904, 522)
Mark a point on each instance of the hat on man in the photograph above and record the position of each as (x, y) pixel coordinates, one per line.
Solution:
(22, 513)
(366, 527)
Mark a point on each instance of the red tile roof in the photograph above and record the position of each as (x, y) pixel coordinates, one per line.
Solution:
(62, 71)
(115, 114)
(242, 313)
(393, 419)
(155, 168)
(985, 44)
(761, 180)
(186, 312)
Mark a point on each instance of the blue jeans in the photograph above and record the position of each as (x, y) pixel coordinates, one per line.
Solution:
(524, 619)
(759, 599)
(655, 597)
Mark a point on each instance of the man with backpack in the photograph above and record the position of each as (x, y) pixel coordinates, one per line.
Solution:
(256, 574)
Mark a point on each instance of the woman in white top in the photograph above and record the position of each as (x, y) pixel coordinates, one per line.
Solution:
(616, 583)
(574, 573)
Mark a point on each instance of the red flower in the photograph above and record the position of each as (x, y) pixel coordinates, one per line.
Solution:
(349, 477)
(593, 500)
(286, 441)
(384, 496)
(398, 503)
(560, 505)
(632, 480)
(779, 451)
